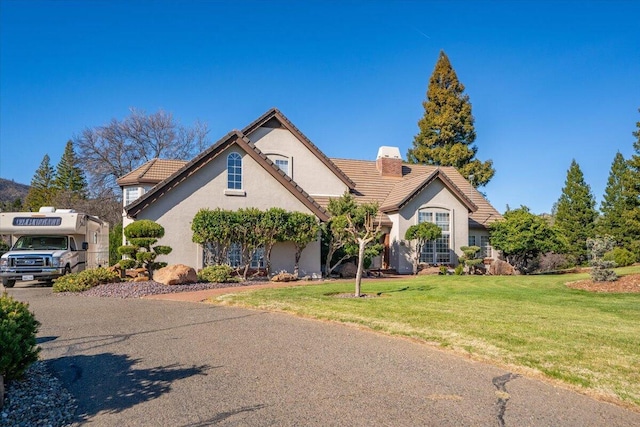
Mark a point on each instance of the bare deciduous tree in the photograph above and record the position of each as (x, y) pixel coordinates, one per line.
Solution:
(115, 149)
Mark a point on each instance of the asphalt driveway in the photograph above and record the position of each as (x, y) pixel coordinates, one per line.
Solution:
(164, 363)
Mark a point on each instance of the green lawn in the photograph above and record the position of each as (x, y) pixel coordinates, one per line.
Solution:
(531, 324)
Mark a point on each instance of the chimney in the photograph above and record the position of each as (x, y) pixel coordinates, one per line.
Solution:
(389, 162)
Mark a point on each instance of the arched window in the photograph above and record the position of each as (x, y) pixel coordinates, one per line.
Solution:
(437, 251)
(234, 171)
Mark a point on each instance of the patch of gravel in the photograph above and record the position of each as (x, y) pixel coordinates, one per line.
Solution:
(150, 287)
(39, 399)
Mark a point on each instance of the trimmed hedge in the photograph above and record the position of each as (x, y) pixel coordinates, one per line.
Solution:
(216, 274)
(78, 282)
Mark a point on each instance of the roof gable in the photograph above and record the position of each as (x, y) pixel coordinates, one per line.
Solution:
(409, 188)
(394, 193)
(232, 138)
(275, 119)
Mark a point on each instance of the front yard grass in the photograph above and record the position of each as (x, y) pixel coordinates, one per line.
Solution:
(529, 324)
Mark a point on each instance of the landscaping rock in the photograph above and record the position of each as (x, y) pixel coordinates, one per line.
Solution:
(175, 275)
(501, 268)
(284, 277)
(348, 270)
(428, 271)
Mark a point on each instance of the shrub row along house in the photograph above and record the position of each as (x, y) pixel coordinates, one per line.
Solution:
(270, 163)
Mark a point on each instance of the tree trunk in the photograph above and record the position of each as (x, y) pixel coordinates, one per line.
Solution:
(361, 247)
(296, 267)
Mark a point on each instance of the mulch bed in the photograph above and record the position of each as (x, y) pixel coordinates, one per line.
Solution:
(625, 284)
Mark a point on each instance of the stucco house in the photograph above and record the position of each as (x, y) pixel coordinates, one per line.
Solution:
(270, 163)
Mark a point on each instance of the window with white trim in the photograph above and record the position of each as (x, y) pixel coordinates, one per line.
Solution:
(257, 258)
(131, 194)
(472, 240)
(485, 247)
(283, 164)
(234, 171)
(234, 255)
(437, 251)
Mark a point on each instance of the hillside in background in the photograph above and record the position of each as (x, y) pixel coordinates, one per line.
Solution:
(11, 190)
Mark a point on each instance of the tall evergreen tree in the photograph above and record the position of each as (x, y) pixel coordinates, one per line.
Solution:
(446, 130)
(42, 191)
(613, 203)
(632, 196)
(69, 175)
(576, 214)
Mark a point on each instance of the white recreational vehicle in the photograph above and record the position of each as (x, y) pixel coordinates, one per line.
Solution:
(51, 243)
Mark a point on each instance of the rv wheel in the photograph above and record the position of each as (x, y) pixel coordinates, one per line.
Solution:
(67, 269)
(8, 283)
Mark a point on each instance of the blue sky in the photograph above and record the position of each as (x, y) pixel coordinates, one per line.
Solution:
(549, 81)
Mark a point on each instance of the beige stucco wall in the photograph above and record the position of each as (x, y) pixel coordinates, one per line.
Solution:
(305, 168)
(436, 195)
(206, 189)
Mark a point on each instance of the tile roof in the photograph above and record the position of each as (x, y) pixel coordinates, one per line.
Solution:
(392, 193)
(188, 169)
(361, 176)
(152, 172)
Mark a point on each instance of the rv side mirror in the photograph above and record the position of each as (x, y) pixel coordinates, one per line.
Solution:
(85, 246)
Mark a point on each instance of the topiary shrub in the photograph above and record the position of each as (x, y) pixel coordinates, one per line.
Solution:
(142, 234)
(621, 256)
(78, 282)
(216, 274)
(471, 262)
(18, 328)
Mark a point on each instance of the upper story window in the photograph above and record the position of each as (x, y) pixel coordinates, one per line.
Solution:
(283, 164)
(131, 194)
(234, 171)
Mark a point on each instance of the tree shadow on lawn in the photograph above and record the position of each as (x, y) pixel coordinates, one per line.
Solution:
(110, 382)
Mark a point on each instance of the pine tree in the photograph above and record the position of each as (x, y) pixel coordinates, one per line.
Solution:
(613, 204)
(632, 197)
(69, 176)
(447, 129)
(576, 214)
(42, 191)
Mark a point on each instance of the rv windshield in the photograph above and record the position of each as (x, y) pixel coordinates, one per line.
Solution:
(29, 243)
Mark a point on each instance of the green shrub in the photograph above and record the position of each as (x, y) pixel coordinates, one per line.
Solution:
(78, 282)
(215, 274)
(459, 269)
(621, 256)
(141, 235)
(18, 328)
(443, 269)
(601, 270)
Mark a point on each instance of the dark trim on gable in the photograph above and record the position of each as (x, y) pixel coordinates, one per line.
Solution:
(438, 173)
(274, 113)
(237, 138)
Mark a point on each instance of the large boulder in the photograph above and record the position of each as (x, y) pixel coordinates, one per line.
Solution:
(177, 274)
(284, 277)
(348, 270)
(426, 270)
(501, 268)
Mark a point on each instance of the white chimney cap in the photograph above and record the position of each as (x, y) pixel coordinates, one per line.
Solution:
(391, 152)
